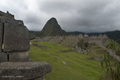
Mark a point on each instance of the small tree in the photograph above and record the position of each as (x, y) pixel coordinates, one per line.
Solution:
(86, 44)
(82, 44)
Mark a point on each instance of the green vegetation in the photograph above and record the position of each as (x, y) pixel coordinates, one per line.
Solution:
(78, 67)
(114, 46)
(82, 44)
(68, 43)
(112, 72)
(99, 55)
(95, 50)
(31, 36)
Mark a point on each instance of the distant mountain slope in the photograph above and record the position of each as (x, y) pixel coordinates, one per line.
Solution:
(52, 28)
(115, 35)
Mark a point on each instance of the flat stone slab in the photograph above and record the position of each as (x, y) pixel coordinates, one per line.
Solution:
(23, 70)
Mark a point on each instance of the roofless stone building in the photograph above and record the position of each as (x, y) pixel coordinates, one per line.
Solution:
(14, 46)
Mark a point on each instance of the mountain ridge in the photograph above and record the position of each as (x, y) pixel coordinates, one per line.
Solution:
(114, 35)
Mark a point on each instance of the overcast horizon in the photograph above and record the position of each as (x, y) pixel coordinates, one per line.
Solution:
(77, 15)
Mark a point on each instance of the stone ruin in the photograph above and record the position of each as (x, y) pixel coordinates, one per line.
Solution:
(14, 57)
(74, 39)
(14, 39)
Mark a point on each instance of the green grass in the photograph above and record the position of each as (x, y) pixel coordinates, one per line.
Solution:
(96, 48)
(77, 68)
(95, 54)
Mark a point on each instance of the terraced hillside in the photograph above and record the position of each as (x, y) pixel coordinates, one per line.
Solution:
(96, 52)
(65, 65)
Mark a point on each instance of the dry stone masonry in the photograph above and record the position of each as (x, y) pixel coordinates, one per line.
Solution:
(14, 38)
(14, 56)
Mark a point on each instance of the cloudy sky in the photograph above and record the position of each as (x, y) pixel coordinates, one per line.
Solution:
(72, 15)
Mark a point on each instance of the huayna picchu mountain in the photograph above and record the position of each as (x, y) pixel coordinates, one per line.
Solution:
(52, 28)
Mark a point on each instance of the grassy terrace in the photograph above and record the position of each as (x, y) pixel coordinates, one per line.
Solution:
(99, 55)
(97, 50)
(78, 66)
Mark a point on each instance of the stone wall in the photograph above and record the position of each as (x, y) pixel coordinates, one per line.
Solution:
(14, 56)
(14, 36)
(72, 40)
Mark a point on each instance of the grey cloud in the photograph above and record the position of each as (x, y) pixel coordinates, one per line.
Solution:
(72, 15)
(95, 18)
(54, 7)
(31, 18)
(33, 21)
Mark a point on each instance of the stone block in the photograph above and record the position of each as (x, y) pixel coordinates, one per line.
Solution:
(23, 70)
(19, 56)
(3, 57)
(16, 38)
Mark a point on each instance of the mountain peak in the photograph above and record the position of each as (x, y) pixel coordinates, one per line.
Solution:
(53, 18)
(52, 28)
